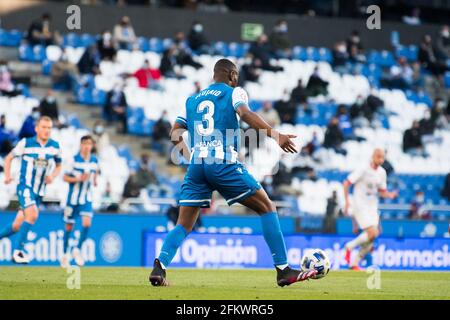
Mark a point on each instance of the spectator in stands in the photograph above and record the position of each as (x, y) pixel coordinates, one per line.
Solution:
(354, 46)
(132, 188)
(27, 130)
(124, 34)
(346, 125)
(90, 61)
(168, 64)
(269, 114)
(427, 126)
(64, 73)
(279, 40)
(312, 146)
(182, 52)
(197, 86)
(250, 71)
(401, 75)
(414, 18)
(197, 40)
(428, 59)
(7, 137)
(443, 44)
(101, 137)
(412, 141)
(148, 77)
(316, 85)
(438, 115)
(40, 32)
(418, 208)
(332, 212)
(49, 107)
(7, 87)
(445, 192)
(107, 47)
(282, 182)
(286, 108)
(115, 107)
(334, 137)
(358, 112)
(145, 176)
(299, 94)
(340, 57)
(161, 134)
(260, 50)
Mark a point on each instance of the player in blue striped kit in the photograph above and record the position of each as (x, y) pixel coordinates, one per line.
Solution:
(81, 176)
(38, 155)
(211, 118)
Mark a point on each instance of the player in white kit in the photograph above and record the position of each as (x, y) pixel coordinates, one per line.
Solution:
(369, 183)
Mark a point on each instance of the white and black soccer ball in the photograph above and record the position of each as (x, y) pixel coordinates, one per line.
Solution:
(316, 259)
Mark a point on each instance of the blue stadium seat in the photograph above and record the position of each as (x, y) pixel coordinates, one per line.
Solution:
(447, 79)
(144, 44)
(221, 48)
(312, 54)
(98, 97)
(12, 38)
(72, 40)
(299, 53)
(46, 67)
(86, 40)
(236, 50)
(325, 55)
(156, 45)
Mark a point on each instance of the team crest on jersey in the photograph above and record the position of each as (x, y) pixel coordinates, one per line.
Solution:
(239, 170)
(40, 163)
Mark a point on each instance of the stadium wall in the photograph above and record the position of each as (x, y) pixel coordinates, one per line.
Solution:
(164, 22)
(132, 240)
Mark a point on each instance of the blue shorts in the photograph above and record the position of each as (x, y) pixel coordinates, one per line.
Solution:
(231, 180)
(27, 197)
(72, 212)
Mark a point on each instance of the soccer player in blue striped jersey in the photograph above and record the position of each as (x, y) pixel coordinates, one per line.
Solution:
(38, 155)
(211, 118)
(81, 176)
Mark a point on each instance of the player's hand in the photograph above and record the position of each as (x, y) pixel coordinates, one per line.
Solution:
(8, 180)
(48, 179)
(285, 142)
(393, 195)
(355, 229)
(84, 177)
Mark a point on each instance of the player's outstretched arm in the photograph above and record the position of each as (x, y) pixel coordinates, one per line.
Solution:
(389, 195)
(7, 167)
(258, 123)
(176, 136)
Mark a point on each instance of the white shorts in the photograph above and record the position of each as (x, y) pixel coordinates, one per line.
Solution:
(366, 216)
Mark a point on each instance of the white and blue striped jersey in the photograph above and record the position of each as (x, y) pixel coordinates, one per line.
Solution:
(36, 160)
(213, 123)
(80, 193)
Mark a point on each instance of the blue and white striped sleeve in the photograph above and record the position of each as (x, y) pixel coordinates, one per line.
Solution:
(239, 97)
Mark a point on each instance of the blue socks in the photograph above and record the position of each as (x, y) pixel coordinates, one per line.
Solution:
(66, 240)
(7, 231)
(171, 244)
(83, 236)
(274, 238)
(22, 235)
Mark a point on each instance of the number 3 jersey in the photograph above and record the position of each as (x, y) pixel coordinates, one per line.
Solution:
(35, 162)
(213, 124)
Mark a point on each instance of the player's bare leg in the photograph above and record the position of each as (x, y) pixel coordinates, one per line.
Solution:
(263, 206)
(365, 241)
(30, 216)
(185, 223)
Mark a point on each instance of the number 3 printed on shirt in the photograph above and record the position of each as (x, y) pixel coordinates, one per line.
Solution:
(208, 117)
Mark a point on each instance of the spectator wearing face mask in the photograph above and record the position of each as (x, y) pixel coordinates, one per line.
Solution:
(279, 40)
(286, 108)
(429, 58)
(124, 34)
(115, 107)
(89, 61)
(182, 53)
(401, 75)
(49, 107)
(197, 40)
(340, 57)
(101, 137)
(261, 50)
(334, 137)
(412, 141)
(316, 85)
(28, 127)
(443, 44)
(418, 208)
(107, 46)
(354, 46)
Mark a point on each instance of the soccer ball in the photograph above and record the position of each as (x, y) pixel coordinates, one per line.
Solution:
(316, 259)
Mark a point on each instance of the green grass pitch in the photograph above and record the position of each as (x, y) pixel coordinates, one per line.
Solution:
(131, 283)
